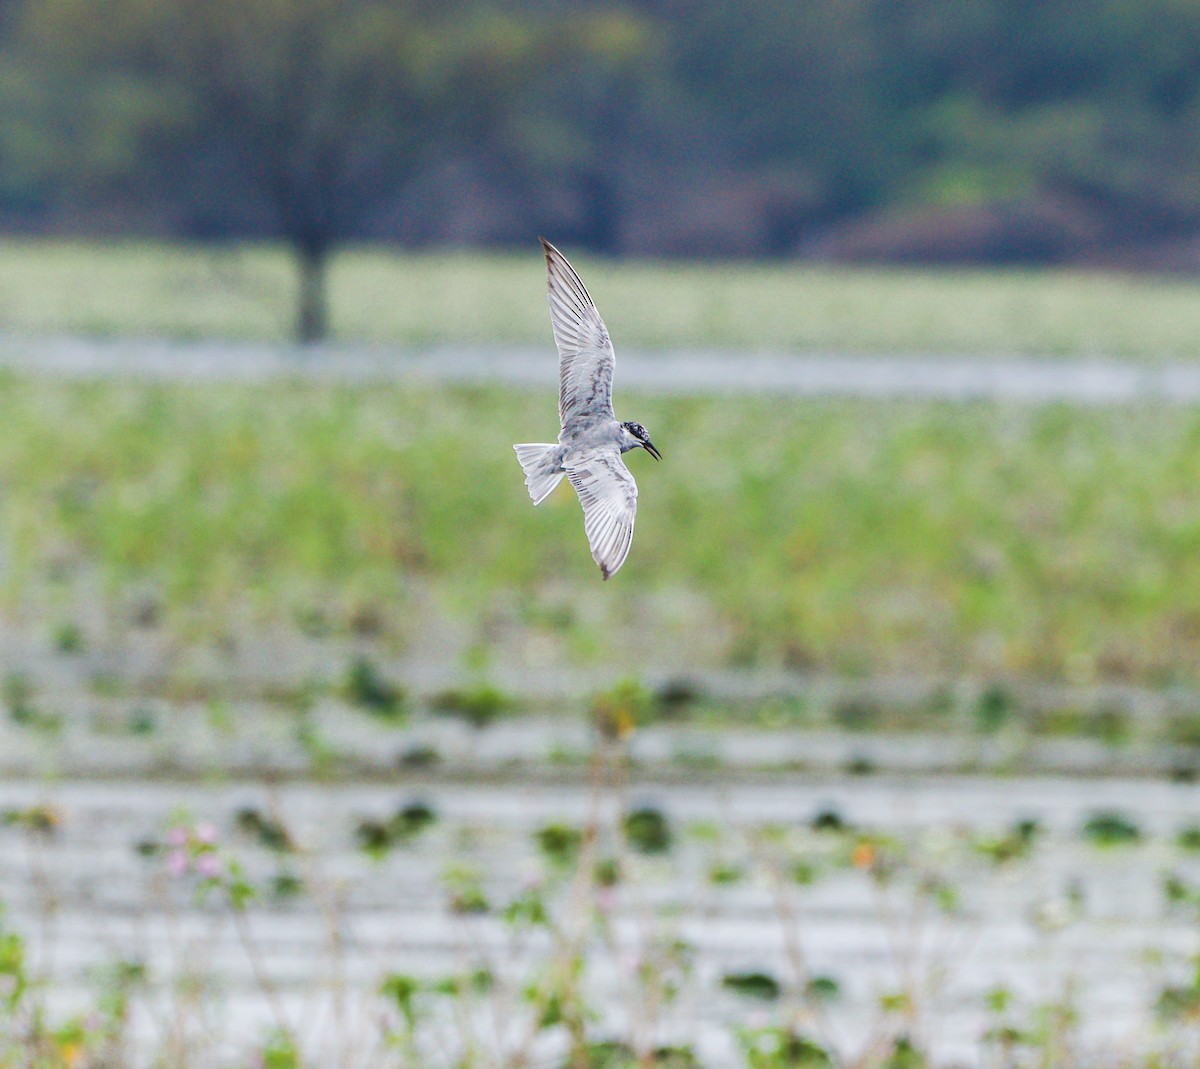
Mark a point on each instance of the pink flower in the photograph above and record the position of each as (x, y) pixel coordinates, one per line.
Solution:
(177, 863)
(178, 836)
(209, 866)
(206, 833)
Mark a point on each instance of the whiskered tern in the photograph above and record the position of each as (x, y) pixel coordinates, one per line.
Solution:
(592, 439)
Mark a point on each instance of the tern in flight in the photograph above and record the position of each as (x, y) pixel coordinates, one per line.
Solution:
(592, 439)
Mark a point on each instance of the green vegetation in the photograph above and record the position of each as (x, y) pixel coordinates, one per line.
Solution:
(247, 292)
(365, 688)
(1111, 829)
(377, 837)
(648, 830)
(478, 705)
(855, 538)
(757, 985)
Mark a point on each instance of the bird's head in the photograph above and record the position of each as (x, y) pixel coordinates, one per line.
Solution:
(637, 436)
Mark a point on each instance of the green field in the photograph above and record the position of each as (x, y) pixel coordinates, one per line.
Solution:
(418, 299)
(852, 537)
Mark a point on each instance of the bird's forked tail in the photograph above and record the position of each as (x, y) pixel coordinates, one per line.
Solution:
(542, 468)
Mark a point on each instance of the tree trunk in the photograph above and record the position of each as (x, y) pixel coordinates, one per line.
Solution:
(312, 320)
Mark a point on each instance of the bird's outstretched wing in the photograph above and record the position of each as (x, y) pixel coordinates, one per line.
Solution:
(585, 354)
(608, 495)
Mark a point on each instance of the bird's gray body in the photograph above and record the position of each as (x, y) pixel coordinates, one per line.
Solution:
(592, 439)
(599, 433)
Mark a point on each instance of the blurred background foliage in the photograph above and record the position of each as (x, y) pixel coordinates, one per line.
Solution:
(885, 537)
(883, 130)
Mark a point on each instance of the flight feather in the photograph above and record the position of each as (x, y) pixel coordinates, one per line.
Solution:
(585, 353)
(608, 495)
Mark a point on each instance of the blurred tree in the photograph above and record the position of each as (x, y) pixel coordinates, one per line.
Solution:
(794, 85)
(1094, 100)
(307, 114)
(19, 128)
(710, 126)
(584, 125)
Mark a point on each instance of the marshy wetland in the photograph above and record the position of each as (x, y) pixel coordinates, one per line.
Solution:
(319, 746)
(799, 920)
